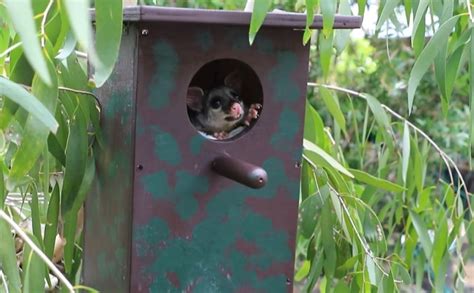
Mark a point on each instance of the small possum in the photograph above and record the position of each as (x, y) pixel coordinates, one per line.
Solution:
(220, 110)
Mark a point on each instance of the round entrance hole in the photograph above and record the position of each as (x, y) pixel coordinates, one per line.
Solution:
(224, 99)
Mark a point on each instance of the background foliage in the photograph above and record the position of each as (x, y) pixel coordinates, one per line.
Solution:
(382, 207)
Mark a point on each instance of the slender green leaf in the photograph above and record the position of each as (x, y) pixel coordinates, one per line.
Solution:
(370, 266)
(440, 244)
(388, 9)
(427, 56)
(376, 182)
(78, 14)
(86, 184)
(314, 126)
(70, 225)
(342, 37)
(69, 46)
(407, 4)
(422, 233)
(314, 152)
(34, 269)
(419, 18)
(327, 240)
(334, 108)
(51, 227)
(316, 269)
(25, 27)
(260, 10)
(37, 133)
(309, 211)
(310, 7)
(303, 271)
(328, 9)
(108, 19)
(8, 257)
(361, 4)
(440, 276)
(29, 102)
(76, 159)
(35, 216)
(325, 52)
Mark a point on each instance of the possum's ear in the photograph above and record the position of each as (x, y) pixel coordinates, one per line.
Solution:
(194, 98)
(234, 81)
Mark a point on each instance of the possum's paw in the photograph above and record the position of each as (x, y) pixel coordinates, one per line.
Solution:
(221, 135)
(253, 113)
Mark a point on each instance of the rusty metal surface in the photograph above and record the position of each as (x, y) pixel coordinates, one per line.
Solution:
(188, 15)
(108, 207)
(194, 230)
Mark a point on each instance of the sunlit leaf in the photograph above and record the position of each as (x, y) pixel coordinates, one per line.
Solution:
(310, 6)
(303, 271)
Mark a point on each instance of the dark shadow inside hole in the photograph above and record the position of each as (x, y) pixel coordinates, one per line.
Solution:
(213, 75)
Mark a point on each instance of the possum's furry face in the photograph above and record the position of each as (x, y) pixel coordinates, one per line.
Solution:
(222, 110)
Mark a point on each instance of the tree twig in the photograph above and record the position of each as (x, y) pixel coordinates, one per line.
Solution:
(43, 22)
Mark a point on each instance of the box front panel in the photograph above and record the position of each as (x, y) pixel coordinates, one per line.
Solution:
(194, 230)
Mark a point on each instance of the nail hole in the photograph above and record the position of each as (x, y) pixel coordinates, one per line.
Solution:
(298, 164)
(288, 281)
(139, 167)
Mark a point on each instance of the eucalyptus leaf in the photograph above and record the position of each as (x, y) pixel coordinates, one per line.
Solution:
(29, 102)
(25, 27)
(108, 19)
(427, 56)
(260, 10)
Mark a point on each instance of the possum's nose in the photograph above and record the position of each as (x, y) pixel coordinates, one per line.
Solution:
(236, 110)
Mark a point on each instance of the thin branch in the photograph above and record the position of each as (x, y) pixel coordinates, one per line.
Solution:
(43, 22)
(37, 250)
(8, 50)
(448, 161)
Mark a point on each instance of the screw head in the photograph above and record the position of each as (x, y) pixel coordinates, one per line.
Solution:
(144, 32)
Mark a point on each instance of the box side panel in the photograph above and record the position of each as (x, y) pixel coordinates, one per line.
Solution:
(193, 230)
(108, 207)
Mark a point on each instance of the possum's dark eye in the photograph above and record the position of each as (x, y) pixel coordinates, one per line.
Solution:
(216, 103)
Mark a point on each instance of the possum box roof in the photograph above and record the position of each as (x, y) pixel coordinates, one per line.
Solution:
(276, 19)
